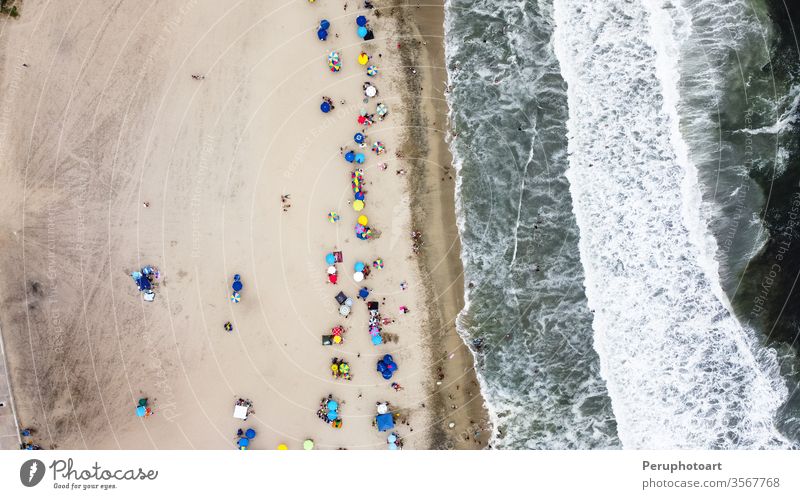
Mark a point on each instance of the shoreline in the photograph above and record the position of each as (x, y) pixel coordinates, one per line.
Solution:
(432, 189)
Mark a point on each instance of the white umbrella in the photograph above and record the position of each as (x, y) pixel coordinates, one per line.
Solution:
(358, 276)
(383, 409)
(370, 91)
(344, 310)
(331, 270)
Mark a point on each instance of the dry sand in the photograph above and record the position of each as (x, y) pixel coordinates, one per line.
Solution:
(106, 117)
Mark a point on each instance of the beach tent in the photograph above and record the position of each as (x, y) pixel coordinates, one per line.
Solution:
(385, 422)
(341, 298)
(144, 283)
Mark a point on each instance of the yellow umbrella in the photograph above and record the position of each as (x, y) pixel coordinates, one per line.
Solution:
(358, 205)
(363, 220)
(363, 58)
(282, 447)
(337, 339)
(334, 368)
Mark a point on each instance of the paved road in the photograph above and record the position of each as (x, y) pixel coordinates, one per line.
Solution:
(9, 432)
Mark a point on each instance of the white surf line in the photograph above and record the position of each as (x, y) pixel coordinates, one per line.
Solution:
(519, 204)
(8, 384)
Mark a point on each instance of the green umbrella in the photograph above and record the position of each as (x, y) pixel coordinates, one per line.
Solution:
(308, 444)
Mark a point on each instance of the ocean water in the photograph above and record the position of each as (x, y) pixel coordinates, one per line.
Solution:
(616, 164)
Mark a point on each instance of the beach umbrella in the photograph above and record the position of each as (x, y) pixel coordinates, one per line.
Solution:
(363, 220)
(359, 138)
(333, 415)
(344, 368)
(324, 24)
(363, 58)
(308, 444)
(337, 339)
(381, 109)
(373, 331)
(358, 205)
(236, 297)
(332, 405)
(237, 277)
(383, 408)
(378, 147)
(250, 433)
(333, 217)
(344, 310)
(392, 438)
(334, 368)
(358, 276)
(325, 107)
(350, 156)
(322, 34)
(331, 270)
(330, 259)
(141, 411)
(393, 446)
(377, 340)
(359, 196)
(361, 21)
(378, 263)
(371, 91)
(282, 447)
(244, 442)
(360, 158)
(362, 32)
(359, 266)
(362, 120)
(333, 278)
(372, 71)
(363, 292)
(237, 285)
(388, 359)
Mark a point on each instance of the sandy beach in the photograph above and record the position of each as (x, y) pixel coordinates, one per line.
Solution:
(114, 157)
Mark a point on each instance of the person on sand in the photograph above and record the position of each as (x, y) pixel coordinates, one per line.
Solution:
(228, 326)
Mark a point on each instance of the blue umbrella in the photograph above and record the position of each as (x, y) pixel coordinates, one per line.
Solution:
(237, 285)
(360, 158)
(362, 31)
(360, 196)
(392, 446)
(250, 433)
(350, 156)
(361, 21)
(387, 359)
(332, 415)
(363, 292)
(332, 405)
(237, 277)
(325, 107)
(359, 267)
(141, 411)
(324, 24)
(387, 374)
(330, 259)
(243, 442)
(377, 340)
(359, 138)
(322, 35)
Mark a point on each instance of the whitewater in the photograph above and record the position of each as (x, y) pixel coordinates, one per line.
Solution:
(680, 369)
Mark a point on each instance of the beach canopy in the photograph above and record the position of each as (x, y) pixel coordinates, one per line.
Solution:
(325, 107)
(358, 205)
(332, 405)
(308, 444)
(330, 259)
(322, 34)
(350, 156)
(341, 298)
(141, 411)
(250, 433)
(324, 24)
(359, 267)
(240, 411)
(359, 138)
(360, 158)
(385, 422)
(363, 292)
(143, 282)
(358, 276)
(362, 31)
(361, 21)
(237, 285)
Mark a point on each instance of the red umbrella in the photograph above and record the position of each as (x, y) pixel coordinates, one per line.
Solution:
(362, 120)
(333, 278)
